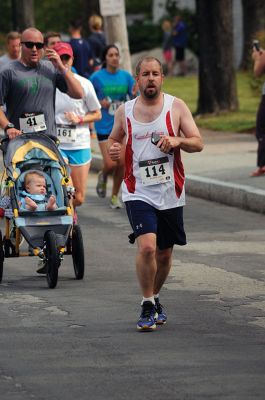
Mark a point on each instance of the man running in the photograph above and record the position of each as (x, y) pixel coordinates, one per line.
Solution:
(156, 127)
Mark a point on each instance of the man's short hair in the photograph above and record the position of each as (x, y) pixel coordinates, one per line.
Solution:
(50, 34)
(148, 59)
(76, 23)
(13, 35)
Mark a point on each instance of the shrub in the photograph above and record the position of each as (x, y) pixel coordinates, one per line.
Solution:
(144, 36)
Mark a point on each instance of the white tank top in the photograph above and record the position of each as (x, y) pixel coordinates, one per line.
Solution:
(151, 175)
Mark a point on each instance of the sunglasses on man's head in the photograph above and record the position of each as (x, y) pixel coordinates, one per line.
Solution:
(30, 45)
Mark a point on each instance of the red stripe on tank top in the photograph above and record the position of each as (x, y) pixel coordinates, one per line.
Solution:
(129, 178)
(179, 176)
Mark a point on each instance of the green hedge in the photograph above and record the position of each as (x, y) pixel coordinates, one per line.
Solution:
(144, 37)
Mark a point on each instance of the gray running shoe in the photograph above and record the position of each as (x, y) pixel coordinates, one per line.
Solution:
(101, 185)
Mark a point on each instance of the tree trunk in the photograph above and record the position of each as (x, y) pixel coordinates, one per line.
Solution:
(253, 21)
(23, 14)
(217, 78)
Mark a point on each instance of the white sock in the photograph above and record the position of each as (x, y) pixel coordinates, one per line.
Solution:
(156, 296)
(148, 299)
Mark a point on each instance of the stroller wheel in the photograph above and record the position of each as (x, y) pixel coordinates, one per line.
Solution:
(78, 252)
(52, 258)
(2, 257)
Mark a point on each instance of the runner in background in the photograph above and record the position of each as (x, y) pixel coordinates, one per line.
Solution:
(72, 123)
(12, 48)
(97, 39)
(50, 39)
(113, 87)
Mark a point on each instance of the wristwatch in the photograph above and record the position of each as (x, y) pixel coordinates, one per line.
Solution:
(9, 125)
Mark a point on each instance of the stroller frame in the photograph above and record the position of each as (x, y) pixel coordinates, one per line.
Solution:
(50, 234)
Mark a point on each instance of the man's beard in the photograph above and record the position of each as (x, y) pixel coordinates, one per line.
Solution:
(151, 94)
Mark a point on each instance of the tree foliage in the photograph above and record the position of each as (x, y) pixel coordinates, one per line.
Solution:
(49, 14)
(55, 15)
(136, 6)
(5, 16)
(144, 36)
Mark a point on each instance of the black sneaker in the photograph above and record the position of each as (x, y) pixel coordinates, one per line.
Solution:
(42, 270)
(161, 317)
(146, 322)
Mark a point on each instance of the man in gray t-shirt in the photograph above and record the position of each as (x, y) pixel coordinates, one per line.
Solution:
(30, 92)
(28, 86)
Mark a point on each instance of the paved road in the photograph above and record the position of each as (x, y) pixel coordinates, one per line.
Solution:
(79, 341)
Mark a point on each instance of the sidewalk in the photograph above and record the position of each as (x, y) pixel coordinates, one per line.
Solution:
(221, 172)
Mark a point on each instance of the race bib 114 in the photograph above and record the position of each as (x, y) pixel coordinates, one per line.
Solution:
(155, 171)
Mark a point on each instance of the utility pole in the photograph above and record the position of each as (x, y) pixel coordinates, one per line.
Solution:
(113, 12)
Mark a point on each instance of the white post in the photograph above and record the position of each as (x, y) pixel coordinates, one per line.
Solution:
(115, 26)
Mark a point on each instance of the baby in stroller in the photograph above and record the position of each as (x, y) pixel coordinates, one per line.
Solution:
(36, 178)
(35, 195)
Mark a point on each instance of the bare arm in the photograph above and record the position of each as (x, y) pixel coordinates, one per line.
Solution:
(117, 135)
(91, 116)
(183, 122)
(74, 87)
(105, 103)
(259, 62)
(11, 132)
(3, 120)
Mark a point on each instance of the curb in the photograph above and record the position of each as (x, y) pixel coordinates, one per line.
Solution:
(231, 194)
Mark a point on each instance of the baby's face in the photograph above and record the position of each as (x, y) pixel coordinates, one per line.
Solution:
(37, 185)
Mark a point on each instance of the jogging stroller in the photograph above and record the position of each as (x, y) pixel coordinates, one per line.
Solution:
(49, 234)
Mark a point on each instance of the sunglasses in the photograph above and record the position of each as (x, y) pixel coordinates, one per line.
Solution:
(30, 45)
(65, 57)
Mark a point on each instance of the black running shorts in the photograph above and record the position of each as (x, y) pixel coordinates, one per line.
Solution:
(166, 224)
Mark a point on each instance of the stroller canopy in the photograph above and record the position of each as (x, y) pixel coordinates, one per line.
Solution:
(31, 148)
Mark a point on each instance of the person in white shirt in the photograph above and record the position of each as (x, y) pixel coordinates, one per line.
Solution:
(72, 124)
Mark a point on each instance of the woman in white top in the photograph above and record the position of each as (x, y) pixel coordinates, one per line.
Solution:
(72, 123)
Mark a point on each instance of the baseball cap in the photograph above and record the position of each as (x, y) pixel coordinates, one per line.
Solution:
(63, 48)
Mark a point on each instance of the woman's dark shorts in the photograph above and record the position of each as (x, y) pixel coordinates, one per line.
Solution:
(166, 224)
(102, 137)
